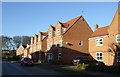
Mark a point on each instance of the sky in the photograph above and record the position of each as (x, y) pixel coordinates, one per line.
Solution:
(29, 18)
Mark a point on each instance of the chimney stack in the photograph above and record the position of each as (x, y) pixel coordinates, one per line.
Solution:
(96, 27)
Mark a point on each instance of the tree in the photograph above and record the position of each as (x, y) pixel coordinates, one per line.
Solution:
(17, 40)
(21, 40)
(12, 43)
(26, 39)
(7, 43)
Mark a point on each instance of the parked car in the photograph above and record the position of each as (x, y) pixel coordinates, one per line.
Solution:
(26, 61)
(85, 60)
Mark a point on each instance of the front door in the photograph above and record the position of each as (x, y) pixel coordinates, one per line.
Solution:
(49, 57)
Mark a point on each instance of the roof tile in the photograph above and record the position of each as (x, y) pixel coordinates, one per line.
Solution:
(100, 31)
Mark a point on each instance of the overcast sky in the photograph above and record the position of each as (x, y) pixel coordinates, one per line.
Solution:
(29, 18)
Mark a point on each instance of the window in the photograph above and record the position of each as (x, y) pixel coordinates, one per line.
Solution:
(50, 34)
(39, 38)
(51, 44)
(99, 41)
(118, 56)
(99, 56)
(63, 29)
(57, 44)
(59, 56)
(58, 31)
(81, 43)
(60, 43)
(49, 57)
(118, 38)
(43, 37)
(48, 45)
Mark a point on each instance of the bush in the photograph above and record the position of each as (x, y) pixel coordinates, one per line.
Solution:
(82, 66)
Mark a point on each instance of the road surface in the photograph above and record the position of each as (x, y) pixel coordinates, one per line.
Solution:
(10, 68)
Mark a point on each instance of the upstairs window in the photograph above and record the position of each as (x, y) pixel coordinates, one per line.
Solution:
(118, 38)
(51, 44)
(99, 56)
(48, 44)
(39, 38)
(63, 29)
(50, 34)
(43, 37)
(60, 43)
(99, 41)
(58, 31)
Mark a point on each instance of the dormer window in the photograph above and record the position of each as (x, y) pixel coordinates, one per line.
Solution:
(50, 34)
(39, 38)
(99, 41)
(58, 31)
(43, 37)
(63, 29)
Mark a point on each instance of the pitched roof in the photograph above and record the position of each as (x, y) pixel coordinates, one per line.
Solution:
(100, 31)
(44, 33)
(70, 23)
(53, 27)
(24, 46)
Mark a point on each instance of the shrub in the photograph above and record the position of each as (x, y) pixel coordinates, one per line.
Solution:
(82, 66)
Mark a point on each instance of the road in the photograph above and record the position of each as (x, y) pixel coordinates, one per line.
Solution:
(9, 68)
(43, 70)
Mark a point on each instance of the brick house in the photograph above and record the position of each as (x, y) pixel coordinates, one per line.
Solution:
(68, 40)
(38, 46)
(20, 50)
(104, 43)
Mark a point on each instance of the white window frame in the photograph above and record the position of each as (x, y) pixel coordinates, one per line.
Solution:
(118, 60)
(39, 38)
(58, 31)
(51, 44)
(81, 43)
(50, 56)
(99, 56)
(43, 37)
(98, 41)
(63, 29)
(59, 56)
(60, 43)
(48, 45)
(118, 38)
(50, 34)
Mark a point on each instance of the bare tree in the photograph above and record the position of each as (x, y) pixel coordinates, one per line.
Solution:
(21, 40)
(7, 43)
(12, 43)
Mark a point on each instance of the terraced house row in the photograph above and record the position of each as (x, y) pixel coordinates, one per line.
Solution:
(67, 40)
